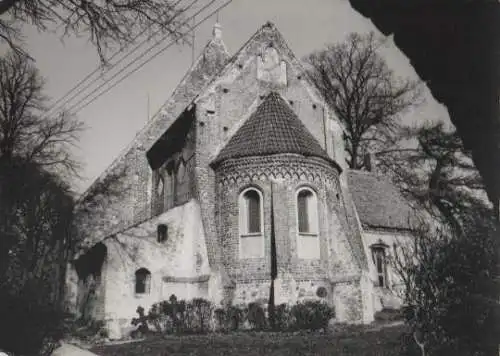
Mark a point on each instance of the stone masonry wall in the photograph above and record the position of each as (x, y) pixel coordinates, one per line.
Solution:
(279, 177)
(178, 265)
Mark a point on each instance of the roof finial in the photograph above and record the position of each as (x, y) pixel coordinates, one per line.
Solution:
(217, 31)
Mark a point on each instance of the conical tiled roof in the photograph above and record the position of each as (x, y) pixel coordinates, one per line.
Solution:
(272, 129)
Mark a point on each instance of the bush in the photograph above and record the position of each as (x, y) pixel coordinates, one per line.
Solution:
(256, 316)
(90, 331)
(195, 316)
(386, 315)
(230, 318)
(30, 326)
(159, 316)
(178, 316)
(141, 322)
(311, 315)
(202, 310)
(283, 319)
(452, 305)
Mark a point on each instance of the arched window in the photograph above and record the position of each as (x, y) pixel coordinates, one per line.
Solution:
(379, 257)
(142, 281)
(307, 211)
(251, 224)
(252, 211)
(308, 245)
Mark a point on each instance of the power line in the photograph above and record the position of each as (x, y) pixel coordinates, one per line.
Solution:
(96, 70)
(140, 56)
(144, 63)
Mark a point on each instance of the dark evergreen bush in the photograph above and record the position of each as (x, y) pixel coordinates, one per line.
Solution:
(283, 317)
(256, 316)
(30, 326)
(179, 316)
(202, 311)
(311, 315)
(141, 322)
(230, 318)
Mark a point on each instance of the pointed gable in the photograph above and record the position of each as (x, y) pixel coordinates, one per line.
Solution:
(273, 128)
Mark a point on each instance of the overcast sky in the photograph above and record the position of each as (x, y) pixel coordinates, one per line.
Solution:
(113, 120)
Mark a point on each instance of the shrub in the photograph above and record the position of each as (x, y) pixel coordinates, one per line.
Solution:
(220, 318)
(311, 315)
(451, 289)
(91, 331)
(256, 316)
(159, 317)
(202, 310)
(30, 326)
(386, 315)
(141, 322)
(283, 319)
(230, 318)
(179, 316)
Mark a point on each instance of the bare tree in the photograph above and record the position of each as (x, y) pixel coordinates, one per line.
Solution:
(36, 206)
(364, 93)
(25, 132)
(36, 209)
(107, 23)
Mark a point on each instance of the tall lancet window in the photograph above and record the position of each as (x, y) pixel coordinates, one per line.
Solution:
(379, 255)
(158, 191)
(182, 182)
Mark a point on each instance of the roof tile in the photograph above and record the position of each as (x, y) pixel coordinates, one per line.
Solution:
(378, 201)
(272, 129)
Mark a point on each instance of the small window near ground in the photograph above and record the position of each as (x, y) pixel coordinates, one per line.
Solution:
(142, 281)
(162, 233)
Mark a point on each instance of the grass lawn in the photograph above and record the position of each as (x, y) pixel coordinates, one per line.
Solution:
(384, 342)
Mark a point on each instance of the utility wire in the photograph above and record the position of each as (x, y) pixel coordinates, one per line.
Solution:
(96, 70)
(144, 63)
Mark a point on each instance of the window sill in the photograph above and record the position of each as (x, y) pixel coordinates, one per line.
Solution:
(254, 234)
(308, 234)
(140, 295)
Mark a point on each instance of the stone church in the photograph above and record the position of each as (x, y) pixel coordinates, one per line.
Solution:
(243, 169)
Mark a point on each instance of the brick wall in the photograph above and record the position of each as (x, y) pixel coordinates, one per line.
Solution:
(278, 178)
